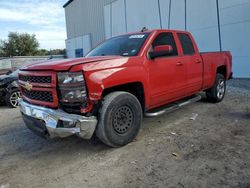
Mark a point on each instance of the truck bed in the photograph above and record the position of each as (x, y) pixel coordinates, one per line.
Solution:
(212, 60)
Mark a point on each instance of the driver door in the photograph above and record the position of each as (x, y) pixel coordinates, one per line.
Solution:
(168, 74)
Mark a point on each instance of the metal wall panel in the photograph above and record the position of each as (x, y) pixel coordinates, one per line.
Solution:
(118, 17)
(107, 20)
(202, 22)
(142, 13)
(86, 41)
(70, 46)
(177, 16)
(235, 29)
(207, 39)
(81, 42)
(78, 42)
(84, 17)
(94, 16)
(164, 10)
(232, 3)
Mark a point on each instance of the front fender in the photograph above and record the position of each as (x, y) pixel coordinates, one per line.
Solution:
(12, 86)
(100, 80)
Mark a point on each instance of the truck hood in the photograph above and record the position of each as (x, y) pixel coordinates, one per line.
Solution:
(66, 64)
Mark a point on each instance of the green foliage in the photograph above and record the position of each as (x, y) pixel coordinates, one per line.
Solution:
(44, 52)
(1, 49)
(19, 44)
(57, 52)
(24, 44)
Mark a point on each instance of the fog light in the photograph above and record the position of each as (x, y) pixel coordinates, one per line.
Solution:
(66, 124)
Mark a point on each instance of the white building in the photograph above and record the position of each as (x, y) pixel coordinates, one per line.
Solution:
(215, 24)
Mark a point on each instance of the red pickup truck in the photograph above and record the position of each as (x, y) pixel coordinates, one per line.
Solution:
(108, 92)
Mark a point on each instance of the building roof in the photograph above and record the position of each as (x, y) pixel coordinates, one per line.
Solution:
(67, 3)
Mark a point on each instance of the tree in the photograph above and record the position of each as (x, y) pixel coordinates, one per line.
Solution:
(58, 52)
(44, 52)
(19, 44)
(1, 49)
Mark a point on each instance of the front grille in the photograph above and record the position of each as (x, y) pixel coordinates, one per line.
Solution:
(39, 87)
(44, 96)
(35, 79)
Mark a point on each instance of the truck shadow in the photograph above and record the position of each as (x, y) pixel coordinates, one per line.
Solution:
(24, 143)
(238, 115)
(3, 107)
(20, 142)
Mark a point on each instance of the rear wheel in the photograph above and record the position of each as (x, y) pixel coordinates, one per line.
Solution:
(119, 119)
(12, 99)
(217, 92)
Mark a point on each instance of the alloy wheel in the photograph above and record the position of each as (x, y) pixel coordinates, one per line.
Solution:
(221, 89)
(14, 98)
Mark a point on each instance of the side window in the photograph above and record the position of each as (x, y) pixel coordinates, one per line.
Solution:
(166, 39)
(187, 44)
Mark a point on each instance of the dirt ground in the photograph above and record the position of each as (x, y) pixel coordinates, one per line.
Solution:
(170, 151)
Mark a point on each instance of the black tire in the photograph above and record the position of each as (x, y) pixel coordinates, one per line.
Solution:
(11, 99)
(119, 119)
(217, 92)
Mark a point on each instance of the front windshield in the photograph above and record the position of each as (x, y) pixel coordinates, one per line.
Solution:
(126, 45)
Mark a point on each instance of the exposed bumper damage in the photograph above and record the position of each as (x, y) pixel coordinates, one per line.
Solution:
(56, 123)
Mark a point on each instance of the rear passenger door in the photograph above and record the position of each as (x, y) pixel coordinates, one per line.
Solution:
(193, 62)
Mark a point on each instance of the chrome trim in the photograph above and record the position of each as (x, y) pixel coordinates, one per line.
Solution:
(174, 107)
(84, 126)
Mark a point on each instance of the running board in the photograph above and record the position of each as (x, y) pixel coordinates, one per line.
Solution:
(173, 106)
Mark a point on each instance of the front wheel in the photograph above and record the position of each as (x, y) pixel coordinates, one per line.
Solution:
(217, 92)
(12, 99)
(119, 119)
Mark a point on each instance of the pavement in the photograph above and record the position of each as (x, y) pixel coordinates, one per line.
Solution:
(200, 145)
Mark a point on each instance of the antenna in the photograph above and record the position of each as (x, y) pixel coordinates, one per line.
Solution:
(144, 29)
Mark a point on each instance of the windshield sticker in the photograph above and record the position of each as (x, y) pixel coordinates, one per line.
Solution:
(133, 51)
(137, 36)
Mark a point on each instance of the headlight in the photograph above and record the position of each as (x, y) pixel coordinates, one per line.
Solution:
(72, 87)
(70, 78)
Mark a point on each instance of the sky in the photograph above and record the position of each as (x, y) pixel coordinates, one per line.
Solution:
(44, 18)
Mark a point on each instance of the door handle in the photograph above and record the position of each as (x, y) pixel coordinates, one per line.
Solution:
(198, 61)
(179, 64)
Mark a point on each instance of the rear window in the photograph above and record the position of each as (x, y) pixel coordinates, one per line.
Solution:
(187, 44)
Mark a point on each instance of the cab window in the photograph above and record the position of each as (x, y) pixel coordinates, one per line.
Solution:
(187, 44)
(166, 39)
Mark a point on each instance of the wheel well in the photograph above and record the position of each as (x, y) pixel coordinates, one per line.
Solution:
(135, 88)
(222, 70)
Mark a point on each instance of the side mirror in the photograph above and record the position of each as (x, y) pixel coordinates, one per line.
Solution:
(160, 51)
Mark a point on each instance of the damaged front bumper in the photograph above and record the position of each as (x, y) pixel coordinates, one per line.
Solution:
(56, 123)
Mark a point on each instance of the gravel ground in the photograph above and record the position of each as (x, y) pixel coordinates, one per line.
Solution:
(170, 151)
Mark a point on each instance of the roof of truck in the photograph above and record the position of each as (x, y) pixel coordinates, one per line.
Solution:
(154, 30)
